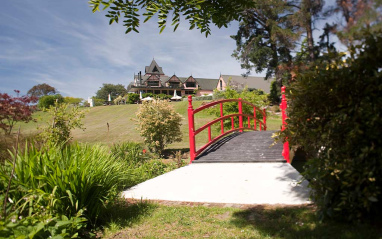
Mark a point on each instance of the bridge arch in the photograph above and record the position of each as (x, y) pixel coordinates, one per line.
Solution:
(262, 122)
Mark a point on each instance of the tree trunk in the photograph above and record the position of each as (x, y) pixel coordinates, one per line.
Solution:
(309, 32)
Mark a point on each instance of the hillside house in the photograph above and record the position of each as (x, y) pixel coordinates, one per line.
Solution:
(155, 81)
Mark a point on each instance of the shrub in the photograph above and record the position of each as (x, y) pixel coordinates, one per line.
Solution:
(132, 98)
(158, 124)
(275, 93)
(162, 97)
(334, 114)
(48, 101)
(64, 118)
(144, 95)
(79, 177)
(132, 153)
(98, 102)
(255, 97)
(15, 109)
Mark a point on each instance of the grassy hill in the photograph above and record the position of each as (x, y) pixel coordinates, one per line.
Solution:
(122, 125)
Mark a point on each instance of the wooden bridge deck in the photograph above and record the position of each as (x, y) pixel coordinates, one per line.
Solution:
(246, 147)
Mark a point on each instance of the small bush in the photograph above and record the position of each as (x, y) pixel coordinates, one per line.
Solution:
(64, 118)
(48, 101)
(132, 98)
(255, 97)
(132, 153)
(80, 177)
(158, 124)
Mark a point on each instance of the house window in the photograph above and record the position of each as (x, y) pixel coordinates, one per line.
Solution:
(191, 84)
(171, 92)
(188, 92)
(221, 85)
(157, 92)
(164, 92)
(152, 83)
(174, 84)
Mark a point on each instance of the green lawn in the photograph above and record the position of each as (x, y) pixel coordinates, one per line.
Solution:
(148, 220)
(122, 125)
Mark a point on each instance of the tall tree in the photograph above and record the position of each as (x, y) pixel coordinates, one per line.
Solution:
(356, 14)
(113, 90)
(41, 90)
(265, 37)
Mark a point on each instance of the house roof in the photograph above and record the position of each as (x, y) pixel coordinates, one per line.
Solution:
(253, 82)
(154, 68)
(207, 84)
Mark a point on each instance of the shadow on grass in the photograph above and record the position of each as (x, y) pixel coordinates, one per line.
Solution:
(169, 153)
(299, 222)
(123, 213)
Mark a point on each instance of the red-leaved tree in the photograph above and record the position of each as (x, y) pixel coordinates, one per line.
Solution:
(15, 109)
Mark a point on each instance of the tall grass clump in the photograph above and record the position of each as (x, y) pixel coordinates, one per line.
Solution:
(81, 178)
(141, 164)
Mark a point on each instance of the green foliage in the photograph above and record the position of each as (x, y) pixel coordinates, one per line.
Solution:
(76, 179)
(275, 93)
(73, 100)
(98, 102)
(113, 90)
(64, 119)
(48, 101)
(131, 152)
(35, 218)
(141, 164)
(159, 124)
(162, 97)
(198, 13)
(334, 115)
(41, 90)
(255, 97)
(132, 98)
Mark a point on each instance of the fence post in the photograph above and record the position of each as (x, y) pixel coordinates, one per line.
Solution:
(191, 129)
(221, 121)
(240, 116)
(265, 119)
(283, 107)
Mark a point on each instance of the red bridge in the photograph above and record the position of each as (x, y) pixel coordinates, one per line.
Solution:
(247, 139)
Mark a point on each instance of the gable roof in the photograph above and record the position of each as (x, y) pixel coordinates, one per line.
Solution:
(207, 84)
(253, 82)
(154, 68)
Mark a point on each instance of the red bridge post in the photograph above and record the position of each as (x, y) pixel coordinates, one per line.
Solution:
(191, 128)
(240, 116)
(283, 107)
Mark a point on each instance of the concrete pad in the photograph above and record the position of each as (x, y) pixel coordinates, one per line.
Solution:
(239, 183)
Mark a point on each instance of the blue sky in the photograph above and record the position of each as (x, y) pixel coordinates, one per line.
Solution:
(63, 44)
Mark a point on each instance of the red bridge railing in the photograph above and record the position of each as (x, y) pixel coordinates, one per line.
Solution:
(193, 132)
(283, 107)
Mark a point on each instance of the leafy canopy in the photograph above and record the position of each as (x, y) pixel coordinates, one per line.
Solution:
(113, 90)
(159, 124)
(15, 109)
(334, 115)
(41, 90)
(199, 13)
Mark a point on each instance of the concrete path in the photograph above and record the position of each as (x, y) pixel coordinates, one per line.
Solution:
(236, 183)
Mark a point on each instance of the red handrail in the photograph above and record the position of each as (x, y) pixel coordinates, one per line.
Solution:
(193, 132)
(283, 107)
